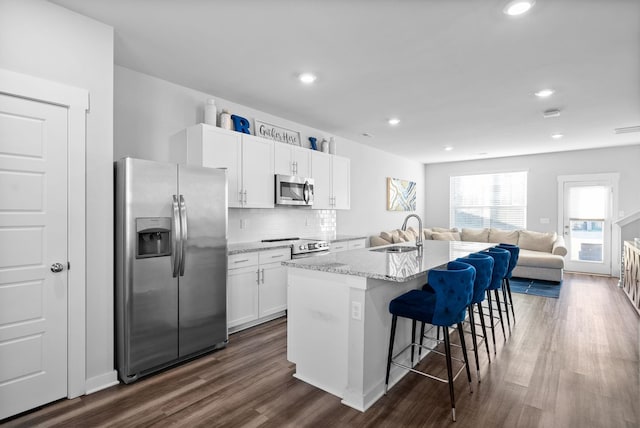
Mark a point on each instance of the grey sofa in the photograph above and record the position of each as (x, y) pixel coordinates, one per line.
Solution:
(541, 253)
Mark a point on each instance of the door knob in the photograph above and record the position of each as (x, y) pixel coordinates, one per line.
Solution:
(57, 267)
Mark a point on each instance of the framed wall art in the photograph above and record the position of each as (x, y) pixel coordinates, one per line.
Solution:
(401, 195)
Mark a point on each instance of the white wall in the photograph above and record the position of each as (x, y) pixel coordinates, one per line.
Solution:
(542, 186)
(48, 41)
(369, 171)
(148, 111)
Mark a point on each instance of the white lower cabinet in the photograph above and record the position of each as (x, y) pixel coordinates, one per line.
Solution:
(272, 291)
(256, 287)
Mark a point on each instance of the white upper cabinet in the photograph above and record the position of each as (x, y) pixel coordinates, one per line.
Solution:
(248, 160)
(341, 182)
(257, 172)
(292, 160)
(332, 181)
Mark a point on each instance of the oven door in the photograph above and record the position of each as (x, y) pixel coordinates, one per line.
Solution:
(292, 190)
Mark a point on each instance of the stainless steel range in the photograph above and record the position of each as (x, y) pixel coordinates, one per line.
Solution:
(308, 248)
(301, 248)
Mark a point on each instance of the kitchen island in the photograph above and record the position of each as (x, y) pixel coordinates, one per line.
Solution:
(338, 321)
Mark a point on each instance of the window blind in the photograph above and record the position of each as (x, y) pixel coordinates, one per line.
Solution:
(489, 200)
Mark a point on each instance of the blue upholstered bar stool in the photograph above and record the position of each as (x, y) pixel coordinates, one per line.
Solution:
(445, 305)
(515, 254)
(484, 270)
(500, 265)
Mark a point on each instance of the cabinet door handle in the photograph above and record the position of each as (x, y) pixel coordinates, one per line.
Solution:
(263, 276)
(241, 261)
(240, 196)
(258, 276)
(245, 197)
(276, 257)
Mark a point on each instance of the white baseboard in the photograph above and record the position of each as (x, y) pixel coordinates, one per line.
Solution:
(101, 382)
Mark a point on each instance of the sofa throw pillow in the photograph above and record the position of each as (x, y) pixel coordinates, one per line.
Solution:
(444, 229)
(413, 232)
(426, 233)
(537, 241)
(499, 236)
(387, 236)
(445, 236)
(475, 235)
(406, 235)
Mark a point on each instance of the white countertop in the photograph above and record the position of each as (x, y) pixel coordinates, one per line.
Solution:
(398, 267)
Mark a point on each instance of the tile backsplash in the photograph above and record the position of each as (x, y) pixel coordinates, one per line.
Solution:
(253, 224)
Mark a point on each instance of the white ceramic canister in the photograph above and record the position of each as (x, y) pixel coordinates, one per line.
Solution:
(225, 120)
(325, 146)
(332, 146)
(210, 112)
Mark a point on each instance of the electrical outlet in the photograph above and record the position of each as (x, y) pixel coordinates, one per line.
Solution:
(243, 223)
(356, 310)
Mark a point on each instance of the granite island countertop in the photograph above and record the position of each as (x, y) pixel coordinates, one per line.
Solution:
(396, 267)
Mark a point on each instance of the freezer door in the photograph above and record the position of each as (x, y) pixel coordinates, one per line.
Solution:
(203, 270)
(146, 292)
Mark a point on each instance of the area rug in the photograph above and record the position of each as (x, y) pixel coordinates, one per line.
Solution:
(535, 287)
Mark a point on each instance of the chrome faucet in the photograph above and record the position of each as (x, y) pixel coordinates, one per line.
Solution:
(419, 237)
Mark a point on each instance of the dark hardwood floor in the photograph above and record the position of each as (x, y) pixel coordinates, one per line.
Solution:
(568, 362)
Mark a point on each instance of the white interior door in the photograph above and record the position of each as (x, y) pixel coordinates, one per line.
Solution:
(586, 224)
(33, 244)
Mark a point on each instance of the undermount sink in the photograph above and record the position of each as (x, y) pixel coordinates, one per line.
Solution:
(395, 249)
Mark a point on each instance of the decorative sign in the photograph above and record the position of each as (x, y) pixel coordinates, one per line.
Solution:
(401, 195)
(277, 133)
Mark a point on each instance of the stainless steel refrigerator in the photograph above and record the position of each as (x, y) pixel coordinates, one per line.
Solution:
(171, 264)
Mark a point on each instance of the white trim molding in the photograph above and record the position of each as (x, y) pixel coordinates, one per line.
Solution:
(76, 101)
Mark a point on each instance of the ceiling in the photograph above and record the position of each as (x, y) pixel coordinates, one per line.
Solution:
(457, 73)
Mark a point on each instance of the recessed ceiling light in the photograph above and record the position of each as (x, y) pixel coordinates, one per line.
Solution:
(544, 93)
(307, 78)
(553, 112)
(394, 121)
(518, 7)
(448, 148)
(557, 136)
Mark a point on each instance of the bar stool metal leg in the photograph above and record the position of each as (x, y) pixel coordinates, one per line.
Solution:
(511, 300)
(484, 331)
(497, 296)
(472, 322)
(506, 305)
(447, 351)
(493, 327)
(394, 321)
(464, 354)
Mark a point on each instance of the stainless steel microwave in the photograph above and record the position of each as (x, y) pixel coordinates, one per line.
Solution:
(293, 190)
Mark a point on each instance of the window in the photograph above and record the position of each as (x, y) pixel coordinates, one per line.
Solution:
(489, 200)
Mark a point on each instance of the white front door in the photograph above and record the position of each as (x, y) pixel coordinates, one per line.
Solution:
(33, 244)
(586, 224)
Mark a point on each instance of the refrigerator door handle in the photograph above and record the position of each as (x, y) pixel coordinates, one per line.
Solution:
(183, 238)
(176, 249)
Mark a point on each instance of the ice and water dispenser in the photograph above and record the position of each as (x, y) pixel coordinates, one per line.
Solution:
(153, 237)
